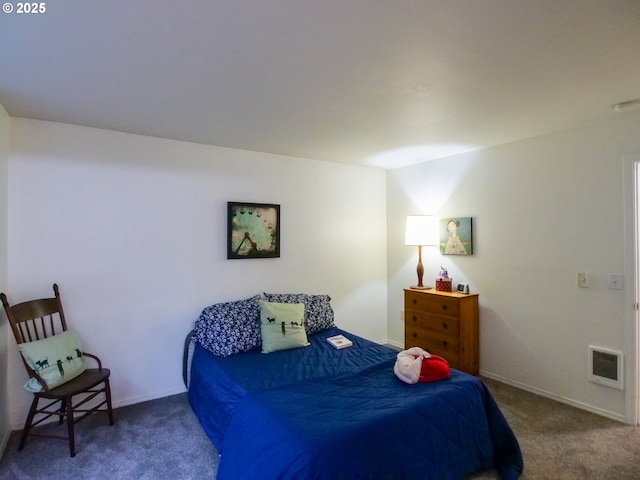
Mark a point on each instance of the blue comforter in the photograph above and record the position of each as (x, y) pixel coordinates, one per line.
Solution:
(321, 413)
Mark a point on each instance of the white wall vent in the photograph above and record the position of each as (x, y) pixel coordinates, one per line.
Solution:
(605, 367)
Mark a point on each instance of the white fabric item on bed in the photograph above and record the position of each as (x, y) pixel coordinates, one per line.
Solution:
(409, 363)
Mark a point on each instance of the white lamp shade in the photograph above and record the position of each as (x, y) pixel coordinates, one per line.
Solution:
(421, 230)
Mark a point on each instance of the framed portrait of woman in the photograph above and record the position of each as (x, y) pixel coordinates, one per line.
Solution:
(456, 236)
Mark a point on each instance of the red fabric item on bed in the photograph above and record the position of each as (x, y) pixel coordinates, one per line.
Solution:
(434, 368)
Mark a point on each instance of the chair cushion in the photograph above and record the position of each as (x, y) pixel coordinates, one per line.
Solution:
(282, 326)
(56, 359)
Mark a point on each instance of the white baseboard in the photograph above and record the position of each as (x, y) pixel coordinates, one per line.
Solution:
(123, 402)
(557, 398)
(395, 344)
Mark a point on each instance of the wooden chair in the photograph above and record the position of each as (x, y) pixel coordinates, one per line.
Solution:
(38, 319)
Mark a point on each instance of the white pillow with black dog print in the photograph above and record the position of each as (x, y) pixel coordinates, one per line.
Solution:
(56, 359)
(282, 326)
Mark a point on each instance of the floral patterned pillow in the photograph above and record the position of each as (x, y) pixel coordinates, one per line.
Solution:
(318, 314)
(229, 328)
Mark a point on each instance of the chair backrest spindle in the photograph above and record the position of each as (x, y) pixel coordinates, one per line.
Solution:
(42, 329)
(36, 319)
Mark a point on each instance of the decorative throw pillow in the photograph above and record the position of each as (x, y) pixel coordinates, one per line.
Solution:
(318, 314)
(282, 326)
(57, 359)
(228, 328)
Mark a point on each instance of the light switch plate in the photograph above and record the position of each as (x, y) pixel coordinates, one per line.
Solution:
(615, 281)
(583, 281)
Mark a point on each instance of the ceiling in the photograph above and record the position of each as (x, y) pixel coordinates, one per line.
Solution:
(384, 83)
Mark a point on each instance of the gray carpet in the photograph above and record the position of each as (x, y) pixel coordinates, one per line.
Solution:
(162, 439)
(560, 442)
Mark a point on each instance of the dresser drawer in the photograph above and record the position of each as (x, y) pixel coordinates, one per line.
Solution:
(447, 347)
(440, 324)
(419, 338)
(432, 303)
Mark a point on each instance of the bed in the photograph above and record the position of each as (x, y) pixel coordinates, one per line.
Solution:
(317, 412)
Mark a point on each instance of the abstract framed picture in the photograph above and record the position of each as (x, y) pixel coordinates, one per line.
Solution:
(253, 230)
(456, 236)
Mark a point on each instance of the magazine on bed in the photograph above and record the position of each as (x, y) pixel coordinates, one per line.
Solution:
(339, 341)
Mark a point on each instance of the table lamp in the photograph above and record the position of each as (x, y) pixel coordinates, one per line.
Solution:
(422, 230)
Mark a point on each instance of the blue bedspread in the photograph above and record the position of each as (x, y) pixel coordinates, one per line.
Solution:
(321, 413)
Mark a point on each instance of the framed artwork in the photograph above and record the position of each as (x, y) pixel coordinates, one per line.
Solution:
(456, 236)
(253, 230)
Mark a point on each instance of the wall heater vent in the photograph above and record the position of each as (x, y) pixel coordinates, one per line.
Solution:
(605, 367)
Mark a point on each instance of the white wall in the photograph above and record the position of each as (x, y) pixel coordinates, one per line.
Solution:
(543, 209)
(133, 229)
(4, 326)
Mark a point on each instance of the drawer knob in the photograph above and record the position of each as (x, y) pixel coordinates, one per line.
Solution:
(445, 343)
(415, 302)
(444, 307)
(415, 319)
(415, 335)
(445, 325)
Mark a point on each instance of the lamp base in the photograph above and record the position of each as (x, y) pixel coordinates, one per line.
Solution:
(416, 287)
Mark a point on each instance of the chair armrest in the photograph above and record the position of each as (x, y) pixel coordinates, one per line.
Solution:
(33, 374)
(95, 357)
(45, 387)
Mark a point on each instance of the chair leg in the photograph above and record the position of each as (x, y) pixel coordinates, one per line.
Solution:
(107, 392)
(63, 408)
(72, 440)
(27, 423)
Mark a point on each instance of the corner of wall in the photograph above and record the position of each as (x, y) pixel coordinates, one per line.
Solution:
(5, 429)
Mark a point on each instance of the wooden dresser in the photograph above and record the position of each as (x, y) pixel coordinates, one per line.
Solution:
(444, 324)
